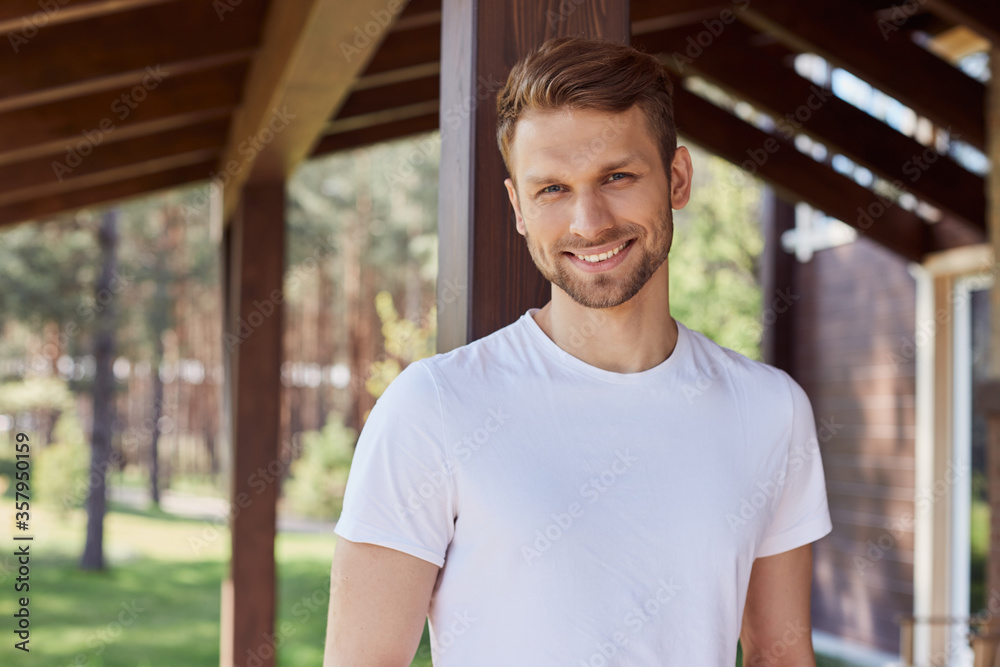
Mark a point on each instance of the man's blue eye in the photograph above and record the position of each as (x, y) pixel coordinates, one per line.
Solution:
(549, 188)
(618, 174)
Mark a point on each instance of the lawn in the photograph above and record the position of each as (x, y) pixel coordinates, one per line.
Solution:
(158, 603)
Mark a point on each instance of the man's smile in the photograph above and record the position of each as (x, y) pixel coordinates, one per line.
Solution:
(601, 261)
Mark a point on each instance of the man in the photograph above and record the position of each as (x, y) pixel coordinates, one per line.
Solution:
(594, 484)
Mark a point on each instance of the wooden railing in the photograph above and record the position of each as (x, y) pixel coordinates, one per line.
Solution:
(984, 642)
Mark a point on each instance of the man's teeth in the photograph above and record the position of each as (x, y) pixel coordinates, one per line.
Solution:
(603, 256)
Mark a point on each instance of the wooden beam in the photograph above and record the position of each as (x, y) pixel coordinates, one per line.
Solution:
(56, 147)
(983, 17)
(151, 166)
(311, 52)
(76, 124)
(850, 37)
(799, 177)
(254, 307)
(123, 81)
(651, 15)
(370, 100)
(154, 35)
(16, 178)
(734, 63)
(405, 48)
(373, 134)
(487, 278)
(37, 209)
(23, 15)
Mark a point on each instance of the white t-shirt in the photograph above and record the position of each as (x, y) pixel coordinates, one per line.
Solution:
(584, 517)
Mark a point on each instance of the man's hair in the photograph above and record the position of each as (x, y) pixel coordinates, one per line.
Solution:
(593, 74)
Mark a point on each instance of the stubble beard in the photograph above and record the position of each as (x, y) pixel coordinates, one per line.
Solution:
(602, 290)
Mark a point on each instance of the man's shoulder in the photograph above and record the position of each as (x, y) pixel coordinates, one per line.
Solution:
(481, 356)
(711, 358)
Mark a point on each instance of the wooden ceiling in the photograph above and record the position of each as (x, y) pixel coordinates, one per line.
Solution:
(230, 71)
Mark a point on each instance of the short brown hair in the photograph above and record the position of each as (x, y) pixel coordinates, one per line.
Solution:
(595, 74)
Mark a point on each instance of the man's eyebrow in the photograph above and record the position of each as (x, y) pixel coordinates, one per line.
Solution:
(533, 179)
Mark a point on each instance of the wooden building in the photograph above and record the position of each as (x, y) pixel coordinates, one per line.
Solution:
(102, 100)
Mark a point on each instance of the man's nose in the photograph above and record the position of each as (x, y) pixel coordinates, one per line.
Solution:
(591, 215)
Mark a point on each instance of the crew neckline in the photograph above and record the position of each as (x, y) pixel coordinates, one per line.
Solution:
(552, 349)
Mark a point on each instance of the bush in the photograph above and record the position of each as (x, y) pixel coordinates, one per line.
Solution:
(61, 470)
(319, 476)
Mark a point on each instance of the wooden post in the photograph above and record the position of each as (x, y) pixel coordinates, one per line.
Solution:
(988, 392)
(777, 278)
(252, 348)
(486, 276)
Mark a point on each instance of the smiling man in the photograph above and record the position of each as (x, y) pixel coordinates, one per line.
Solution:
(594, 484)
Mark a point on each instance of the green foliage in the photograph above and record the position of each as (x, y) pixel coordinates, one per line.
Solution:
(405, 342)
(46, 271)
(319, 476)
(61, 470)
(35, 393)
(715, 254)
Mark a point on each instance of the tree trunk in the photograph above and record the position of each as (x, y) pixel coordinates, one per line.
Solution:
(154, 440)
(103, 393)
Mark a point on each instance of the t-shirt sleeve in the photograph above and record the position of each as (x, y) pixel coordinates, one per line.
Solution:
(802, 514)
(400, 491)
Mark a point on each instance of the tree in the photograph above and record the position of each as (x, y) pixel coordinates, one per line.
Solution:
(103, 392)
(715, 255)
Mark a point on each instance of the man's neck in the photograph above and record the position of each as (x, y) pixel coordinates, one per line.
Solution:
(635, 336)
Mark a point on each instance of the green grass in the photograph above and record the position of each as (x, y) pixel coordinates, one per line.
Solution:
(158, 603)
(980, 552)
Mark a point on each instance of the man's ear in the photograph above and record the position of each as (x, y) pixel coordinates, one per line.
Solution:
(512, 195)
(681, 173)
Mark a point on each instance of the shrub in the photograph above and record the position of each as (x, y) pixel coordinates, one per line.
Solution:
(319, 476)
(61, 470)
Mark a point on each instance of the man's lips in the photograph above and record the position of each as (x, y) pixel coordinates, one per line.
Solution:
(602, 265)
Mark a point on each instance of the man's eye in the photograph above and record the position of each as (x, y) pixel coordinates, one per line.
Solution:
(622, 174)
(549, 189)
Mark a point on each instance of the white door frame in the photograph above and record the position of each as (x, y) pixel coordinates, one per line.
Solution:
(941, 533)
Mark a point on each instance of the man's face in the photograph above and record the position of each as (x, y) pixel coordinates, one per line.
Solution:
(593, 201)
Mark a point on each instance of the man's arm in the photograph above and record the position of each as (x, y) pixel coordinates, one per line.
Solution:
(777, 629)
(378, 603)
